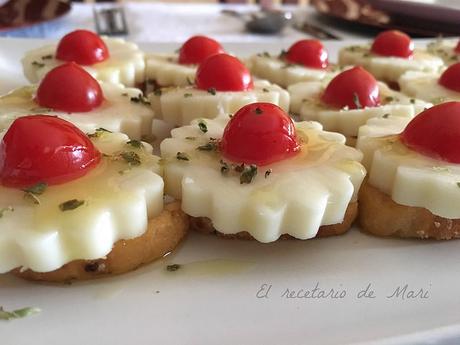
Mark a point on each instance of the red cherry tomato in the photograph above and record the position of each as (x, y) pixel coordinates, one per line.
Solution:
(457, 48)
(309, 53)
(259, 133)
(83, 47)
(69, 88)
(41, 148)
(393, 43)
(451, 77)
(197, 49)
(223, 72)
(436, 132)
(355, 88)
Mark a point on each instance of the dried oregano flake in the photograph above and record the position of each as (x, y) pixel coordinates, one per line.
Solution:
(203, 126)
(18, 313)
(182, 156)
(132, 158)
(32, 192)
(135, 143)
(71, 204)
(99, 132)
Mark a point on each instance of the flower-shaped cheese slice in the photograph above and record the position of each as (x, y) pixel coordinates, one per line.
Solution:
(179, 69)
(306, 60)
(125, 64)
(408, 177)
(390, 55)
(307, 103)
(293, 196)
(165, 70)
(179, 106)
(435, 87)
(83, 218)
(376, 132)
(122, 110)
(223, 85)
(446, 49)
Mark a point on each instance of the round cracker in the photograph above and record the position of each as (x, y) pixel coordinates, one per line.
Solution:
(164, 233)
(381, 216)
(204, 225)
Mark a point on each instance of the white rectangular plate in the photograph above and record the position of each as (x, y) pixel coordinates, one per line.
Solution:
(214, 297)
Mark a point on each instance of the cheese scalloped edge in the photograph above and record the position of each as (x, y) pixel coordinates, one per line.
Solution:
(424, 85)
(409, 178)
(445, 49)
(165, 70)
(388, 68)
(118, 200)
(125, 65)
(305, 100)
(181, 105)
(284, 74)
(122, 111)
(312, 189)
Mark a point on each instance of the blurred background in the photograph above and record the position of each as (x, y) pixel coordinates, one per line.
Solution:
(229, 20)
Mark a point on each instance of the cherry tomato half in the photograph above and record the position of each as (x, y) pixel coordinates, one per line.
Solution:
(260, 134)
(42, 148)
(83, 47)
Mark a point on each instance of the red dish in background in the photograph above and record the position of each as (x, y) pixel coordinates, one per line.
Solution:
(17, 14)
(411, 16)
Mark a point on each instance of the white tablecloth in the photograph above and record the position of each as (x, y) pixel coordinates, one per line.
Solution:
(162, 22)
